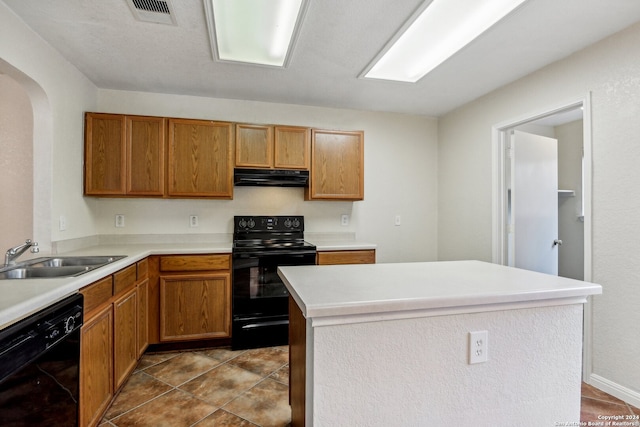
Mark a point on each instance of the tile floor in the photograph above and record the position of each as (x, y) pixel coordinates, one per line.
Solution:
(246, 388)
(216, 387)
(598, 403)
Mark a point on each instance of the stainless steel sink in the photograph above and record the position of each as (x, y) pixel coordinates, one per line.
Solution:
(50, 267)
(42, 272)
(84, 261)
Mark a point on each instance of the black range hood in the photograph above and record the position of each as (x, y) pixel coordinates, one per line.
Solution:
(271, 177)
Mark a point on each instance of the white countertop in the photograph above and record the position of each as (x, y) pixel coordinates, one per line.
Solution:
(442, 287)
(22, 297)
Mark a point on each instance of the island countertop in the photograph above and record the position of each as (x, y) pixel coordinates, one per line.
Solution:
(439, 287)
(390, 344)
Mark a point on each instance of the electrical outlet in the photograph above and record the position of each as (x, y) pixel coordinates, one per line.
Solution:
(63, 223)
(119, 220)
(478, 347)
(193, 221)
(398, 220)
(344, 219)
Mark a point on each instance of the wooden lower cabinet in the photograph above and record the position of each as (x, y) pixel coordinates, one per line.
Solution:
(125, 347)
(194, 297)
(96, 367)
(113, 337)
(346, 257)
(195, 306)
(143, 316)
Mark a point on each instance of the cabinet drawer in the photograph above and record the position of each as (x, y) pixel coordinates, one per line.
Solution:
(143, 270)
(124, 279)
(346, 257)
(96, 294)
(195, 262)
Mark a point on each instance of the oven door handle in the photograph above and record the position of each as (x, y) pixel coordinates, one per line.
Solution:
(256, 254)
(263, 324)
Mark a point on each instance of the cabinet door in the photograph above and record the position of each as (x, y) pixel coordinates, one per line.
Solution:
(104, 153)
(145, 155)
(125, 347)
(254, 146)
(195, 306)
(337, 168)
(143, 316)
(200, 159)
(292, 147)
(96, 367)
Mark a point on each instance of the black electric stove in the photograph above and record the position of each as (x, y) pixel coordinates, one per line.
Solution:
(261, 244)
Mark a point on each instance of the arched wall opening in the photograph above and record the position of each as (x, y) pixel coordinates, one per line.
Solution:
(25, 96)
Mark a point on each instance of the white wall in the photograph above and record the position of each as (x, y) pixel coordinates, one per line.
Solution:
(400, 160)
(16, 164)
(400, 177)
(415, 372)
(610, 70)
(59, 94)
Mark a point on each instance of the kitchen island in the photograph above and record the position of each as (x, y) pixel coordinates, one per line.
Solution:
(388, 344)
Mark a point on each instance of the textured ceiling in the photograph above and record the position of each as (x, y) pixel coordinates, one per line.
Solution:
(338, 40)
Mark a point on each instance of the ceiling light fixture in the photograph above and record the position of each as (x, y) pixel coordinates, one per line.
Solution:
(256, 32)
(436, 31)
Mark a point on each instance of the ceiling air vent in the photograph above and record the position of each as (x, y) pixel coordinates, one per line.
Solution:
(156, 11)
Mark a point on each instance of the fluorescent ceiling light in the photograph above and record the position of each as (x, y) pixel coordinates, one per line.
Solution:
(257, 32)
(436, 31)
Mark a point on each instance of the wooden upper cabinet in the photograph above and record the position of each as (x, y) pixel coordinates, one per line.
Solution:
(273, 147)
(254, 146)
(145, 155)
(200, 159)
(337, 167)
(104, 154)
(292, 147)
(124, 155)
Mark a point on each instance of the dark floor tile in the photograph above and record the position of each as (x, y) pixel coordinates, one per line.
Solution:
(152, 359)
(281, 375)
(223, 354)
(221, 384)
(174, 409)
(263, 361)
(182, 368)
(138, 389)
(266, 404)
(594, 409)
(594, 393)
(222, 418)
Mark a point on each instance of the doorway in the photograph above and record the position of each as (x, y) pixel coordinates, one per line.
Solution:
(501, 178)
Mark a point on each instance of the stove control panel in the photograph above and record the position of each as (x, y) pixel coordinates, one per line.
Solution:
(268, 223)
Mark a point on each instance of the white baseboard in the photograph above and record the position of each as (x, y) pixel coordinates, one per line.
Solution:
(615, 389)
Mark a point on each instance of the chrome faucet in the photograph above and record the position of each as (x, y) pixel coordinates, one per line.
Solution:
(13, 253)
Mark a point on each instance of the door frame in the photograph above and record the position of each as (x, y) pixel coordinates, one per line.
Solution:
(499, 143)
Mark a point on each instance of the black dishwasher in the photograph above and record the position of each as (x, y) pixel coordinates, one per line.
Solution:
(39, 367)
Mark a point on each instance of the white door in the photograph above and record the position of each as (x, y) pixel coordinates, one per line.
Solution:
(534, 203)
